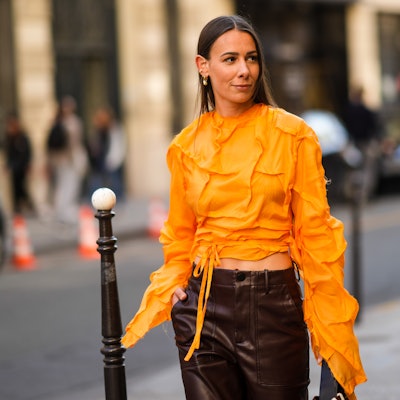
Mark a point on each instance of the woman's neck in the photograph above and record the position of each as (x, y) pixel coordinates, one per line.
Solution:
(233, 110)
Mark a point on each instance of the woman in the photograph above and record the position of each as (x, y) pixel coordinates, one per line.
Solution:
(247, 205)
(107, 152)
(68, 161)
(18, 152)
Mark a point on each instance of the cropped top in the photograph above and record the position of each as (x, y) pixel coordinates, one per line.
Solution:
(247, 187)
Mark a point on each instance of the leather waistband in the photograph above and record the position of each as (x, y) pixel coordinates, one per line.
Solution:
(256, 278)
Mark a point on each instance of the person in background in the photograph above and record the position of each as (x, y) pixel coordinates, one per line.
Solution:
(18, 160)
(248, 216)
(107, 148)
(360, 121)
(68, 161)
(363, 126)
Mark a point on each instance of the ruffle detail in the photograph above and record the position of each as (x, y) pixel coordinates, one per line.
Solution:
(221, 179)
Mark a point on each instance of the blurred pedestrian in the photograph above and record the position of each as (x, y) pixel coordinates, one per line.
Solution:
(363, 126)
(107, 147)
(18, 160)
(360, 120)
(248, 216)
(68, 161)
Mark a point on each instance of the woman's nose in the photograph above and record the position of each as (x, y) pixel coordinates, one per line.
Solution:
(243, 69)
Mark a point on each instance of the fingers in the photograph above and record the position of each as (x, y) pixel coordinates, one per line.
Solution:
(179, 295)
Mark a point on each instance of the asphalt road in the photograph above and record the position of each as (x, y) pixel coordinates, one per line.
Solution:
(51, 318)
(51, 330)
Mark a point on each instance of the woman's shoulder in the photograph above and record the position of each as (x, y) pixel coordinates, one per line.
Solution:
(290, 124)
(181, 142)
(188, 131)
(187, 136)
(287, 121)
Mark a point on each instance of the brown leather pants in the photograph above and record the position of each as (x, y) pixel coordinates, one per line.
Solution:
(254, 342)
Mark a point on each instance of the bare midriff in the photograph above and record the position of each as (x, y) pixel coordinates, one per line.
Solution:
(276, 261)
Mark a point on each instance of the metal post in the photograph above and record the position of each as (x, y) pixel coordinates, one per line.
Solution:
(103, 200)
(357, 201)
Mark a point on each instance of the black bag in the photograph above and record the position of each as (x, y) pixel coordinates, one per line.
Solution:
(57, 139)
(329, 386)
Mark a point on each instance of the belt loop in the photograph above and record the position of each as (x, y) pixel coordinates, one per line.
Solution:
(266, 281)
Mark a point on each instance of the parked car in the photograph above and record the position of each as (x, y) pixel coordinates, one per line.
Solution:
(389, 161)
(339, 155)
(390, 146)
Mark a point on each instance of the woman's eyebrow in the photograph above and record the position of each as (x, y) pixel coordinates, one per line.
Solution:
(235, 53)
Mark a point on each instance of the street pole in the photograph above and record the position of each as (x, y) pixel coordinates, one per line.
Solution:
(104, 200)
(357, 201)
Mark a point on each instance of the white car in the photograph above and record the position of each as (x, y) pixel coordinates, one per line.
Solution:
(339, 156)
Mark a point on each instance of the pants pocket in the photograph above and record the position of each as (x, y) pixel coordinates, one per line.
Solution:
(183, 316)
(282, 338)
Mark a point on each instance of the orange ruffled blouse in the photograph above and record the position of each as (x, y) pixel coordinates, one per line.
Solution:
(246, 187)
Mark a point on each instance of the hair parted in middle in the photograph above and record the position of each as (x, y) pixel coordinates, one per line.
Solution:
(209, 34)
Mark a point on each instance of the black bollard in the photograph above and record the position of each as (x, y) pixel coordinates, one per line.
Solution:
(103, 200)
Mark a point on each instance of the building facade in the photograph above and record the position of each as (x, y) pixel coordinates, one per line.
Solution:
(138, 56)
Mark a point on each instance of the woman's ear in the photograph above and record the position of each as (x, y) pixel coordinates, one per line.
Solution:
(202, 65)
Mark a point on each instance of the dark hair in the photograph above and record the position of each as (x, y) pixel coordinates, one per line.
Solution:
(209, 34)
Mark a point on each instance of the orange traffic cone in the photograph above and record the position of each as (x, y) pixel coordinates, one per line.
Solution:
(23, 257)
(157, 216)
(87, 234)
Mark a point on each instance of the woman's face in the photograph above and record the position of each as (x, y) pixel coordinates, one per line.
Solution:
(233, 70)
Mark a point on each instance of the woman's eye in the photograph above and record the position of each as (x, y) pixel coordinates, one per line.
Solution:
(253, 58)
(230, 59)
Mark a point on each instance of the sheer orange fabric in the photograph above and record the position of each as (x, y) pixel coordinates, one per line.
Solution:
(247, 187)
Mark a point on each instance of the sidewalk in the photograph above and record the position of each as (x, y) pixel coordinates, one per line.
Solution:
(378, 331)
(130, 220)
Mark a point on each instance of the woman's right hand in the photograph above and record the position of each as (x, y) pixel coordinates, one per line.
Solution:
(179, 294)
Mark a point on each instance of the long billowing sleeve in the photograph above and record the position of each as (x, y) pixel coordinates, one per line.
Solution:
(177, 239)
(329, 310)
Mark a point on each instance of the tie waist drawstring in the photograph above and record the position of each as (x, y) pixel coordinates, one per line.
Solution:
(205, 266)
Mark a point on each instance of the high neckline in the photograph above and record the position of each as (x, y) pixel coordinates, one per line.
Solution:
(234, 120)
